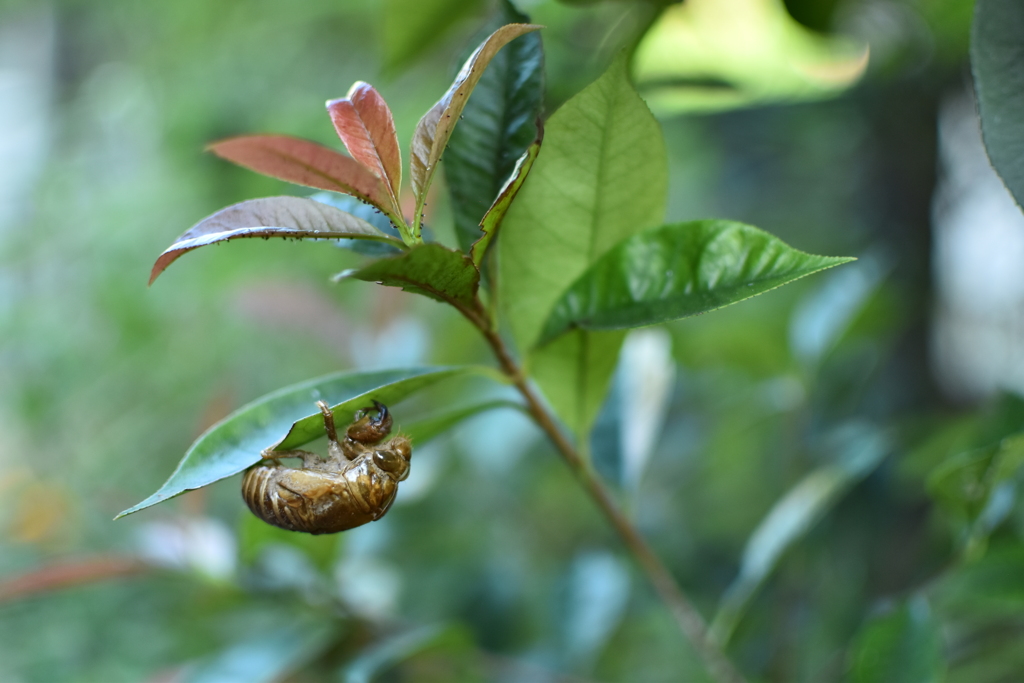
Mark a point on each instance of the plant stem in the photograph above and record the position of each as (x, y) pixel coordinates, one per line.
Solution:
(687, 617)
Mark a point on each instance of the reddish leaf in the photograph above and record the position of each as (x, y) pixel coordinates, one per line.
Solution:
(365, 125)
(271, 217)
(307, 163)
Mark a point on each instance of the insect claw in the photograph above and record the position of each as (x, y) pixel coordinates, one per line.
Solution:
(270, 454)
(382, 414)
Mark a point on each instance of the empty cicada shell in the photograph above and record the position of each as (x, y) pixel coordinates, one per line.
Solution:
(356, 484)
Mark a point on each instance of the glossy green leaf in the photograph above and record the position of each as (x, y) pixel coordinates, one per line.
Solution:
(311, 427)
(496, 212)
(600, 178)
(413, 26)
(498, 125)
(997, 61)
(430, 270)
(861, 449)
(286, 217)
(267, 657)
(904, 646)
(237, 441)
(678, 270)
(708, 55)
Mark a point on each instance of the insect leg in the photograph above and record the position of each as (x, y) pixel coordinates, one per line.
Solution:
(308, 459)
(325, 409)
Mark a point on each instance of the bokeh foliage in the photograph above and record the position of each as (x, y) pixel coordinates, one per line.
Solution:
(494, 565)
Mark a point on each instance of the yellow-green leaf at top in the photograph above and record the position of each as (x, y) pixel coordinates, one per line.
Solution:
(709, 55)
(434, 129)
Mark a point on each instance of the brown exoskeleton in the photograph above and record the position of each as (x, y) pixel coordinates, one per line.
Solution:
(356, 484)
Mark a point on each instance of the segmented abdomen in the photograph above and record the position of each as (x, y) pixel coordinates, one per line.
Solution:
(262, 493)
(317, 502)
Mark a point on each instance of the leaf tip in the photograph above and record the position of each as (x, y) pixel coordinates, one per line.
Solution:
(344, 275)
(165, 259)
(356, 87)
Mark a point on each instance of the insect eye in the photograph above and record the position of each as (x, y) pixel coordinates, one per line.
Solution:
(388, 461)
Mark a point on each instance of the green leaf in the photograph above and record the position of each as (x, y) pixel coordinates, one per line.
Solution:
(997, 60)
(575, 373)
(600, 178)
(710, 55)
(413, 26)
(311, 427)
(978, 488)
(496, 213)
(425, 429)
(288, 217)
(904, 646)
(678, 270)
(237, 441)
(430, 270)
(498, 126)
(861, 449)
(268, 657)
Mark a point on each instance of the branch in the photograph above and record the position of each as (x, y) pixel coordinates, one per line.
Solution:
(687, 617)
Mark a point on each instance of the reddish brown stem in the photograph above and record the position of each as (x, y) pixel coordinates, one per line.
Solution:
(688, 618)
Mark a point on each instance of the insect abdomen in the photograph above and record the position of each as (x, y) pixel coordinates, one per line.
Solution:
(261, 492)
(317, 502)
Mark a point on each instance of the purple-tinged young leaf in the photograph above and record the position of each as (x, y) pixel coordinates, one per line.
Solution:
(271, 217)
(307, 163)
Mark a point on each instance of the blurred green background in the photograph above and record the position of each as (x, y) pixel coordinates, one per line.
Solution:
(855, 386)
